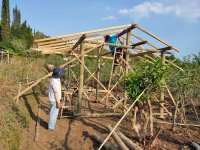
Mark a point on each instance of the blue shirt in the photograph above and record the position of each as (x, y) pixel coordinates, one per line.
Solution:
(112, 39)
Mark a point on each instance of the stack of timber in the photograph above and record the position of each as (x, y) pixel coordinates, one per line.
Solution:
(123, 143)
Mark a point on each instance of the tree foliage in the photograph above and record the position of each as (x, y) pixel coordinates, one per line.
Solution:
(16, 17)
(5, 15)
(148, 75)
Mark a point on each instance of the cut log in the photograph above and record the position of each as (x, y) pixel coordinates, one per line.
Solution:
(128, 142)
(117, 139)
(107, 145)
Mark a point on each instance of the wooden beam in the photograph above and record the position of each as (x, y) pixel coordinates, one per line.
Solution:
(157, 38)
(128, 29)
(49, 74)
(81, 78)
(119, 45)
(86, 32)
(139, 43)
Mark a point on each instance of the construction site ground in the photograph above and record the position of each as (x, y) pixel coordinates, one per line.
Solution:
(75, 134)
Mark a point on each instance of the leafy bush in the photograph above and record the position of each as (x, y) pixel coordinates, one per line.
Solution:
(148, 75)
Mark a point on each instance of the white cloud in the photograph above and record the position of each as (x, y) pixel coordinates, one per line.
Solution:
(189, 10)
(109, 18)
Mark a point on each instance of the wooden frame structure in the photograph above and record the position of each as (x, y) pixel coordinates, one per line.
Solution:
(77, 46)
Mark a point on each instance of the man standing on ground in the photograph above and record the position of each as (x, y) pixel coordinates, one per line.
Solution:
(55, 97)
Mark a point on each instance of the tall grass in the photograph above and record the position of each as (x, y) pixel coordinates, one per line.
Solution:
(14, 118)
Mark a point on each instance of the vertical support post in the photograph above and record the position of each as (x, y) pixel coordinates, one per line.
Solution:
(1, 56)
(81, 78)
(162, 96)
(8, 58)
(98, 72)
(19, 90)
(127, 63)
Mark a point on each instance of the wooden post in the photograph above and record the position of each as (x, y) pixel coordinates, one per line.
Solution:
(162, 96)
(19, 90)
(1, 56)
(127, 63)
(8, 58)
(175, 115)
(98, 72)
(81, 78)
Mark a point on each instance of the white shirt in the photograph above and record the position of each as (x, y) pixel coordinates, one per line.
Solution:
(54, 87)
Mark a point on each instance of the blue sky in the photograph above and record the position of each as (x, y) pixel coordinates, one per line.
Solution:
(175, 21)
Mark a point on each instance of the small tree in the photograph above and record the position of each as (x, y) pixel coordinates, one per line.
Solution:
(149, 77)
(5, 15)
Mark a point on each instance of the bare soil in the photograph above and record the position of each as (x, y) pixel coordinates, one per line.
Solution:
(75, 134)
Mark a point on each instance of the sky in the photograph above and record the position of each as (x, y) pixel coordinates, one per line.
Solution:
(175, 21)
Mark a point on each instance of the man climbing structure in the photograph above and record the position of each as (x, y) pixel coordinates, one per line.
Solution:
(113, 39)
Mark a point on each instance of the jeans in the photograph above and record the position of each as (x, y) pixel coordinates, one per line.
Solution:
(53, 114)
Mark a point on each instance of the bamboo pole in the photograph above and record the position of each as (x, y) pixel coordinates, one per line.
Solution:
(157, 38)
(96, 115)
(98, 72)
(48, 75)
(81, 78)
(155, 54)
(80, 33)
(122, 46)
(123, 117)
(195, 111)
(110, 79)
(107, 145)
(179, 124)
(94, 77)
(126, 65)
(20, 86)
(128, 29)
(1, 56)
(117, 139)
(8, 58)
(170, 94)
(162, 98)
(128, 142)
(175, 114)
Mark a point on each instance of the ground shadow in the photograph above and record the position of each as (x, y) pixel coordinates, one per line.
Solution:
(65, 145)
(32, 114)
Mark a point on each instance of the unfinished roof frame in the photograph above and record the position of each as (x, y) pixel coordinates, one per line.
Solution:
(89, 41)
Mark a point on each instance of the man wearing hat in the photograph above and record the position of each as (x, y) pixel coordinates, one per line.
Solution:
(55, 97)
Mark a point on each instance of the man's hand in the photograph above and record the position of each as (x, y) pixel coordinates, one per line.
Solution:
(58, 105)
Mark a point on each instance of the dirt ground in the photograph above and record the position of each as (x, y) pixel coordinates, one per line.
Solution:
(76, 134)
